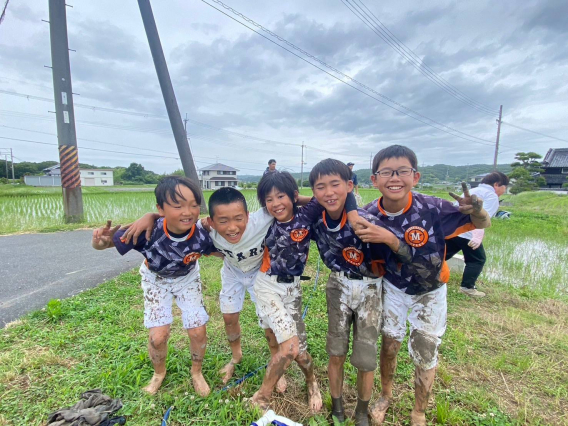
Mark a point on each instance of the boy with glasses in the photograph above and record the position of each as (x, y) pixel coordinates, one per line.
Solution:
(414, 292)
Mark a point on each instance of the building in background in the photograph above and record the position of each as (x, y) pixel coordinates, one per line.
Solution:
(89, 177)
(476, 180)
(218, 176)
(555, 167)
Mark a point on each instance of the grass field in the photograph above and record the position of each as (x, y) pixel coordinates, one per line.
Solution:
(502, 362)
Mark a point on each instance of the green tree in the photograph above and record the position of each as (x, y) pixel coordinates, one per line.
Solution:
(525, 172)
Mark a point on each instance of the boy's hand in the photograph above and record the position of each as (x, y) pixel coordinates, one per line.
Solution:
(356, 221)
(205, 223)
(375, 234)
(102, 237)
(144, 224)
(468, 204)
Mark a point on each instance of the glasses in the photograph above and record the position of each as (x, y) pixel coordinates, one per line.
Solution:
(402, 172)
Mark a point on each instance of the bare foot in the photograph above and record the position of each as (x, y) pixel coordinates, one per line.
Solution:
(281, 385)
(260, 401)
(314, 397)
(200, 385)
(227, 372)
(154, 384)
(417, 419)
(379, 410)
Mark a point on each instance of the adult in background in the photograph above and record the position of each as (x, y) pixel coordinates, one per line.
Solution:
(271, 167)
(354, 178)
(470, 243)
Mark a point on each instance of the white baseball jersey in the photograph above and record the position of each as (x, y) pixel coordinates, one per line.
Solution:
(490, 203)
(246, 255)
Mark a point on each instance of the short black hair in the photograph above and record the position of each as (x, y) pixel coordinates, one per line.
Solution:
(226, 195)
(496, 177)
(327, 167)
(272, 160)
(167, 189)
(395, 151)
(282, 181)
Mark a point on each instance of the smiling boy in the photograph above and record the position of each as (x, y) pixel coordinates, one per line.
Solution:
(170, 271)
(353, 291)
(424, 222)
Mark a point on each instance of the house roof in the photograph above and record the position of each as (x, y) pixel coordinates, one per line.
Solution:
(56, 166)
(219, 167)
(556, 157)
(223, 178)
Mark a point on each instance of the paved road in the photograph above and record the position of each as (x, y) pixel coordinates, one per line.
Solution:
(35, 268)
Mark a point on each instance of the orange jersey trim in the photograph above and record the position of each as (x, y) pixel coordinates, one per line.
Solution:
(265, 266)
(341, 224)
(464, 228)
(445, 271)
(406, 208)
(168, 234)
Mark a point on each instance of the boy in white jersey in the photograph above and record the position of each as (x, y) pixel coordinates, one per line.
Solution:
(240, 237)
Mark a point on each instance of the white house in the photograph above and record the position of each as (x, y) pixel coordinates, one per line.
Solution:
(217, 176)
(89, 177)
(97, 177)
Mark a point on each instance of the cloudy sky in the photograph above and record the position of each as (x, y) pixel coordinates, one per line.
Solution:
(235, 85)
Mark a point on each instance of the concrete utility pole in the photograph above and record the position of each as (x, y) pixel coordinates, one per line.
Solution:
(12, 158)
(302, 168)
(6, 159)
(497, 141)
(64, 113)
(168, 94)
(371, 163)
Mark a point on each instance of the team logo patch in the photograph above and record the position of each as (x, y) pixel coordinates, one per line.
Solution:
(298, 234)
(353, 256)
(416, 236)
(191, 257)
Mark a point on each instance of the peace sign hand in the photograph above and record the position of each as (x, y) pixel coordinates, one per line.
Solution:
(468, 204)
(102, 237)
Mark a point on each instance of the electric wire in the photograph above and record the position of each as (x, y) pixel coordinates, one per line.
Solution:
(147, 115)
(465, 136)
(533, 131)
(371, 21)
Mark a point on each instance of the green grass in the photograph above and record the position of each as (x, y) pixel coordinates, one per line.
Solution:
(502, 360)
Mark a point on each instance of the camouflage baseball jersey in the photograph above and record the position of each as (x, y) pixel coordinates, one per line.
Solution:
(287, 244)
(342, 251)
(168, 256)
(424, 224)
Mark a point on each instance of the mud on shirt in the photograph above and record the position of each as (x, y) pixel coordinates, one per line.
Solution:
(342, 251)
(424, 224)
(287, 244)
(168, 256)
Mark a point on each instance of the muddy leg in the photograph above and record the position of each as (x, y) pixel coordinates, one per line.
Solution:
(287, 352)
(233, 330)
(158, 350)
(305, 362)
(423, 382)
(335, 376)
(273, 346)
(198, 344)
(389, 351)
(364, 392)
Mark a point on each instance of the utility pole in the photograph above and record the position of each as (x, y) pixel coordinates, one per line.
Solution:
(6, 159)
(64, 113)
(302, 168)
(497, 141)
(168, 94)
(185, 120)
(12, 158)
(371, 163)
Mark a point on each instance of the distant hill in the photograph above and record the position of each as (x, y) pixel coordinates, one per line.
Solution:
(430, 174)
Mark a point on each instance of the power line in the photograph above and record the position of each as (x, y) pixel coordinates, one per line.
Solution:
(369, 19)
(466, 136)
(4, 11)
(146, 115)
(532, 131)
